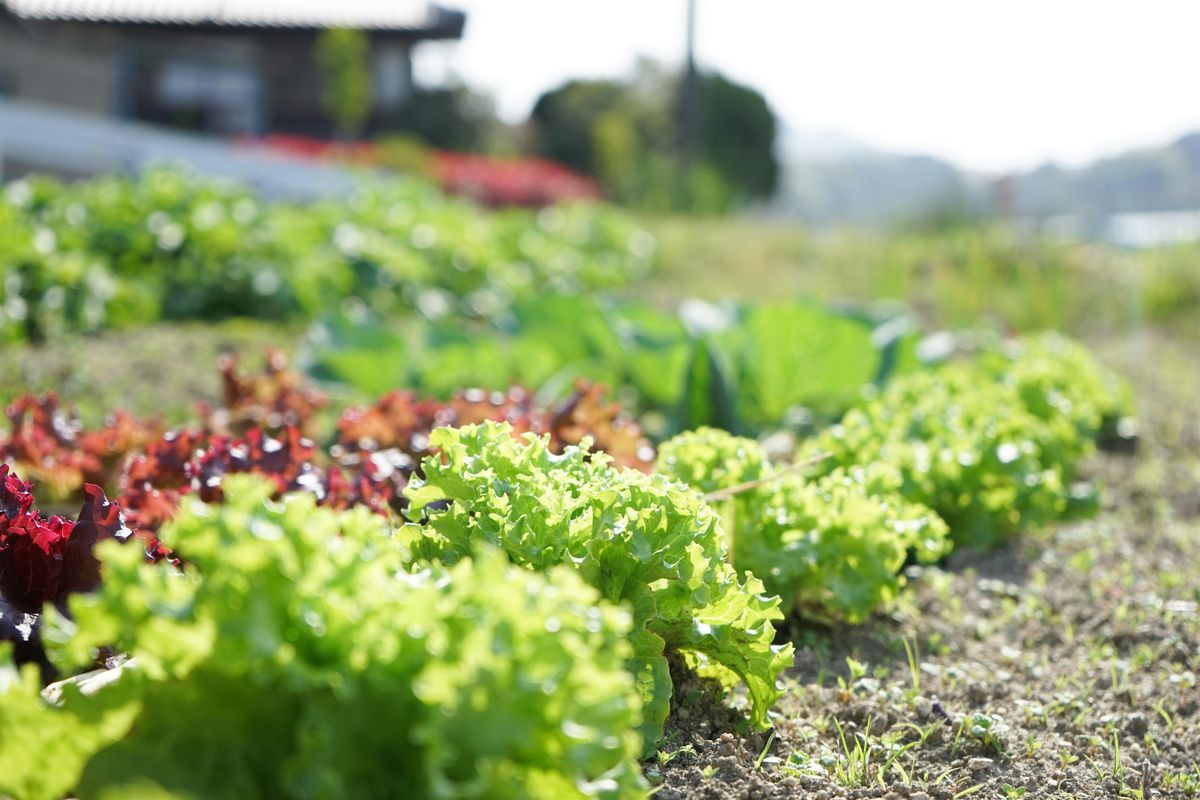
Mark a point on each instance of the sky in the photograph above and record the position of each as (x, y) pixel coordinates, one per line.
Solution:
(993, 85)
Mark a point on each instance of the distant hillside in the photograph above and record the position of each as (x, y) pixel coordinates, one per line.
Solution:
(868, 187)
(835, 180)
(817, 146)
(1151, 179)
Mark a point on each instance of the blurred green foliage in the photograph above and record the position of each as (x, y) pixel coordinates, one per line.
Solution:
(739, 367)
(958, 276)
(449, 118)
(737, 136)
(112, 252)
(1170, 286)
(626, 135)
(566, 116)
(343, 59)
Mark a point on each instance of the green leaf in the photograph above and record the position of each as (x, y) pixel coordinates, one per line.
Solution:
(318, 662)
(44, 747)
(708, 398)
(800, 355)
(640, 540)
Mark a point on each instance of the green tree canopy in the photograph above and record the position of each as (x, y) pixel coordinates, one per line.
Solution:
(737, 135)
(624, 133)
(452, 118)
(343, 57)
(565, 118)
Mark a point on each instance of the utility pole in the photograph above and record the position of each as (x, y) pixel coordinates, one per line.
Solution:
(689, 103)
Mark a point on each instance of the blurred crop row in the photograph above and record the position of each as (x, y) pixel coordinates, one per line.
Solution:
(112, 252)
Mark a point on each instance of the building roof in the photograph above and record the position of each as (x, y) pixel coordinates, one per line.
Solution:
(383, 15)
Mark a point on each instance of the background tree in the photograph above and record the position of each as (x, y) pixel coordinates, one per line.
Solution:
(564, 120)
(343, 58)
(451, 118)
(625, 135)
(737, 136)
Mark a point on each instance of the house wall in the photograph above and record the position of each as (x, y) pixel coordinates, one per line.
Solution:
(60, 67)
(113, 70)
(205, 81)
(292, 84)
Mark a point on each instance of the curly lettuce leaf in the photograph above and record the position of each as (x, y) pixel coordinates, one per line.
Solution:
(644, 541)
(297, 655)
(834, 547)
(44, 746)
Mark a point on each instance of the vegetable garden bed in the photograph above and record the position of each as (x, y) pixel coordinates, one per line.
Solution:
(202, 619)
(810, 552)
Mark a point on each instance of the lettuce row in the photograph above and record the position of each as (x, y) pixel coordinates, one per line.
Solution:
(644, 541)
(117, 252)
(833, 547)
(299, 655)
(992, 444)
(1058, 378)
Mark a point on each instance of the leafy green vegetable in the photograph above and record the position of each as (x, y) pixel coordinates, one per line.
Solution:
(298, 656)
(44, 747)
(110, 252)
(644, 541)
(992, 445)
(708, 397)
(800, 355)
(749, 374)
(1059, 379)
(834, 547)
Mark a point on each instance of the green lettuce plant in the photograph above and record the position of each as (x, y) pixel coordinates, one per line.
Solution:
(1059, 380)
(113, 252)
(643, 541)
(297, 654)
(971, 444)
(833, 547)
(44, 746)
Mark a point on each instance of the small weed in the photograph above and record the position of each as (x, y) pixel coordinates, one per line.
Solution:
(1184, 783)
(799, 765)
(758, 762)
(1160, 707)
(666, 757)
(980, 728)
(858, 670)
(854, 770)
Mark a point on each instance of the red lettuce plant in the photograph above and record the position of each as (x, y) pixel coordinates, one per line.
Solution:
(271, 398)
(399, 424)
(52, 447)
(43, 559)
